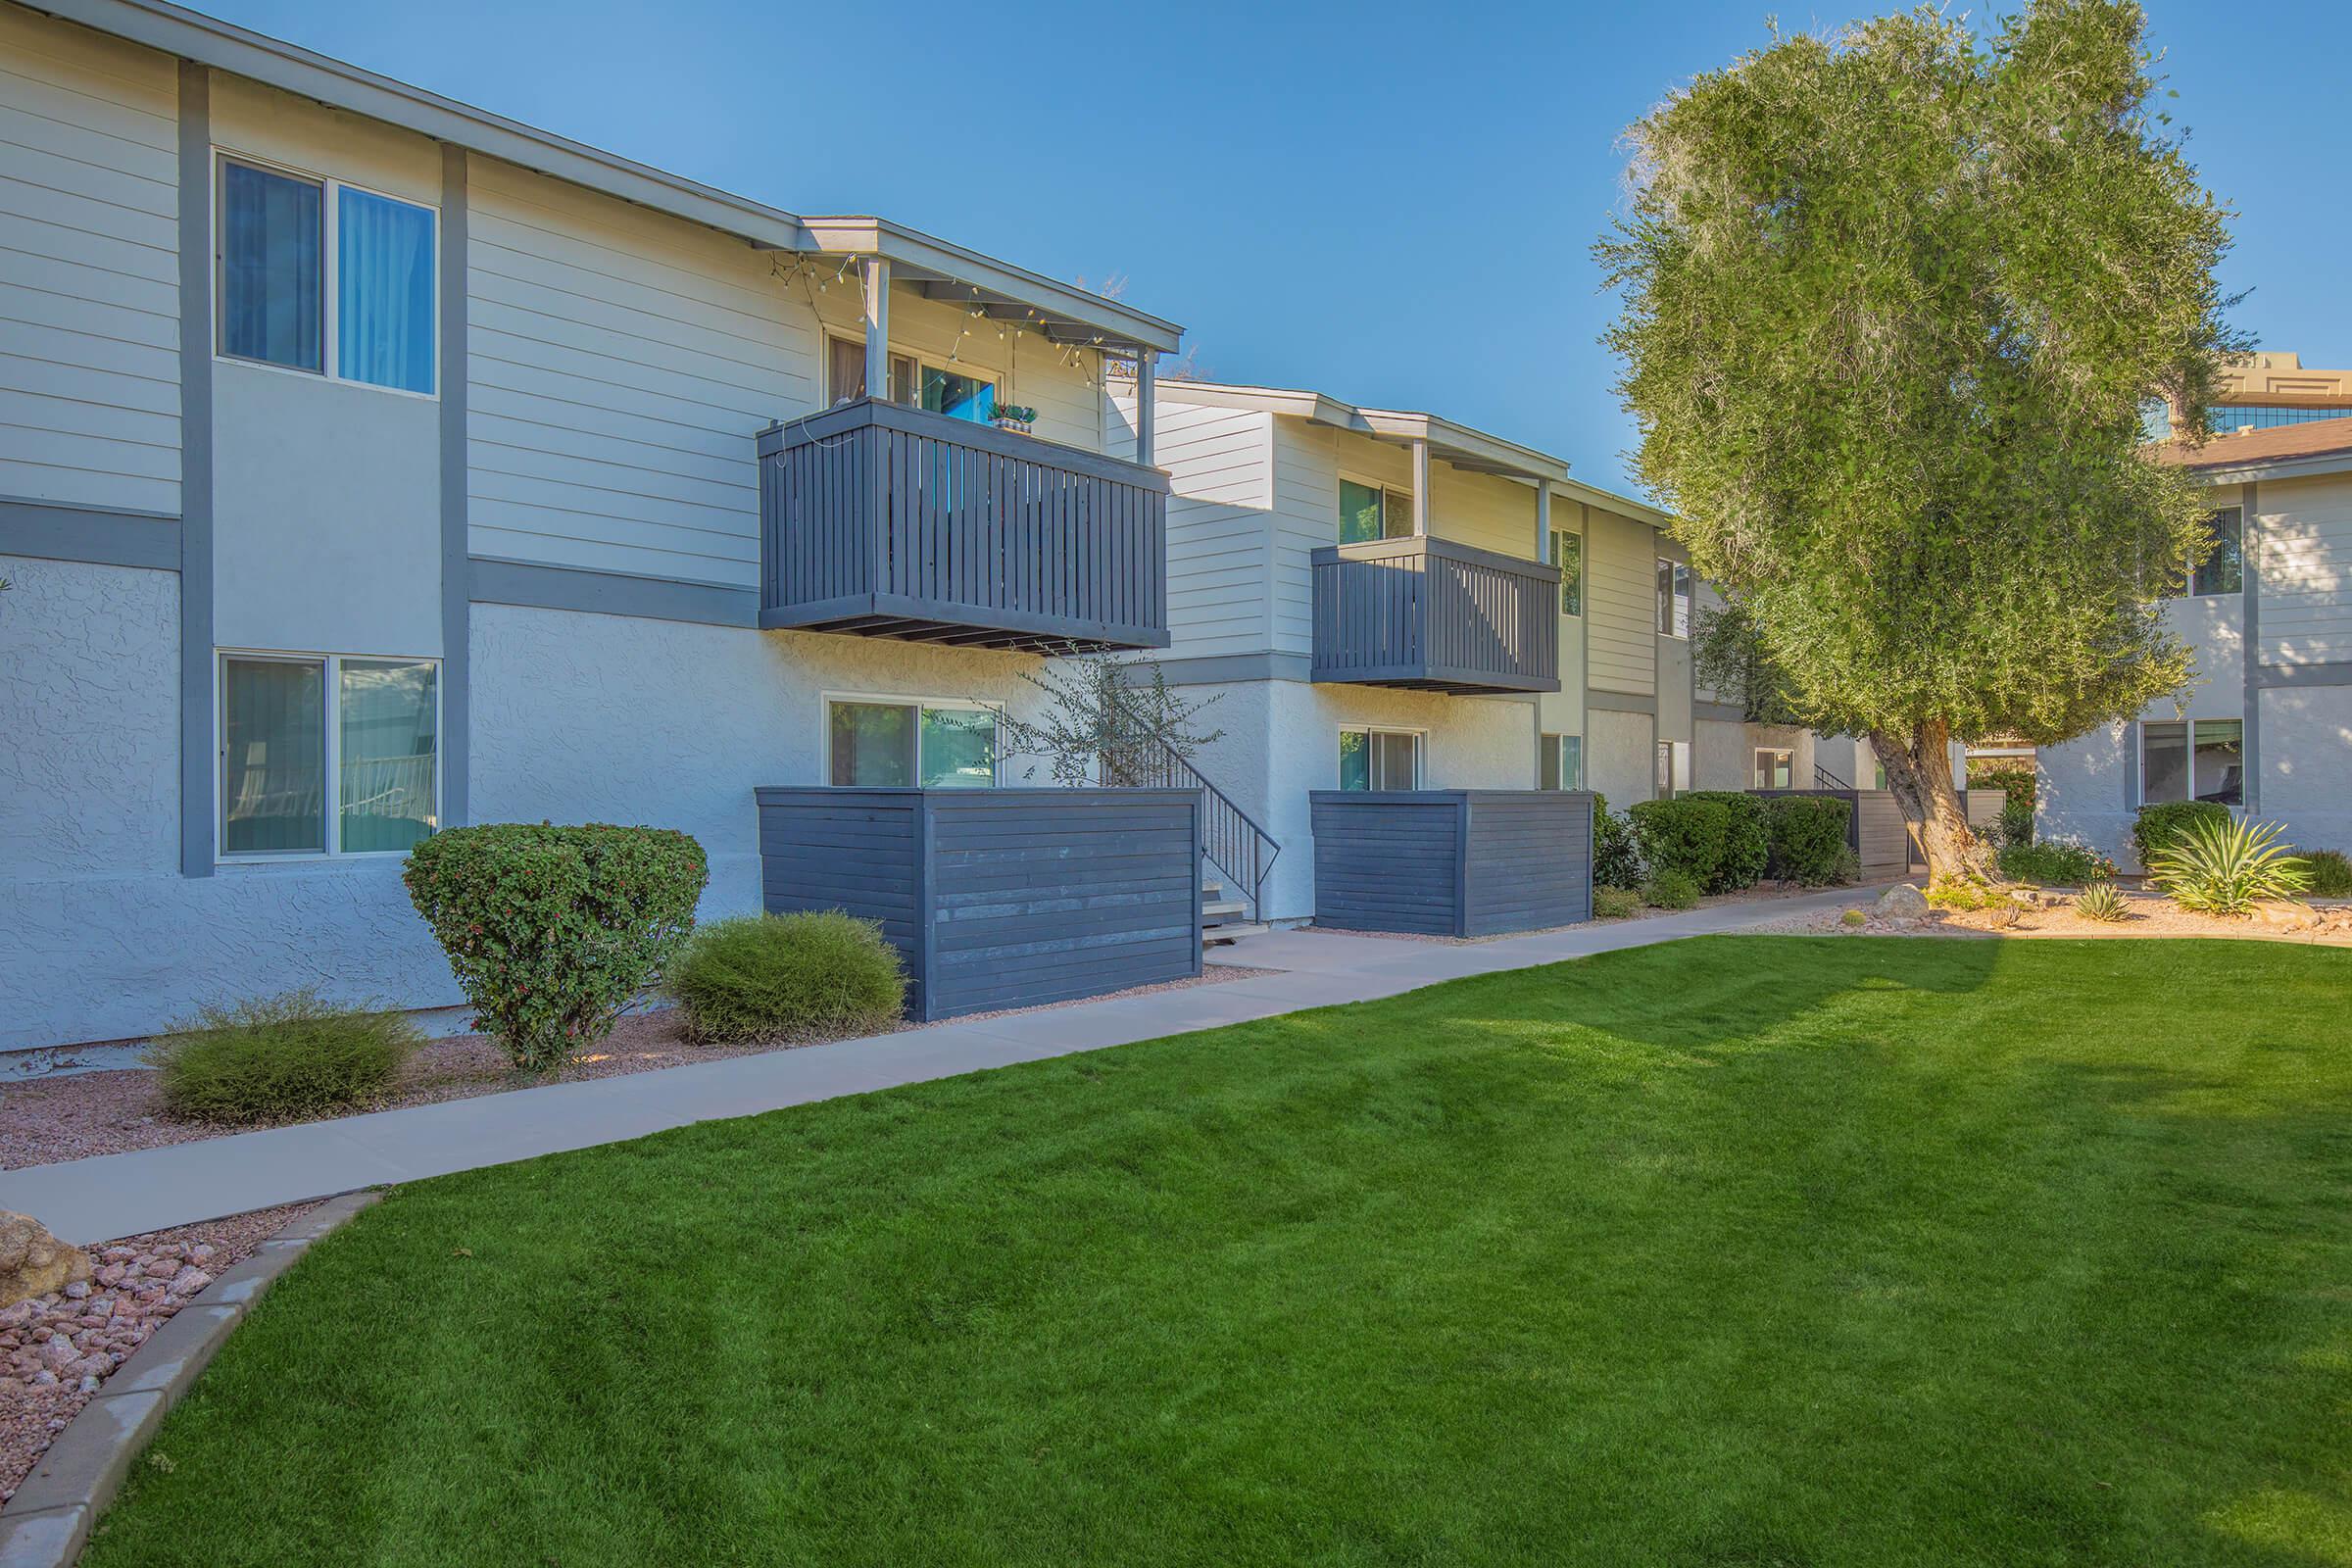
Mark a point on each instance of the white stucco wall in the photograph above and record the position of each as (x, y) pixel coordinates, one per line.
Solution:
(1621, 756)
(2306, 764)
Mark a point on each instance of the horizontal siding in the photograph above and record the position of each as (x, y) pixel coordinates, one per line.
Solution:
(1621, 602)
(1219, 538)
(1531, 862)
(1387, 865)
(2306, 560)
(89, 268)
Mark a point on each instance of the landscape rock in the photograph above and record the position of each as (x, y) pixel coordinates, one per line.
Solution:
(33, 1263)
(1904, 902)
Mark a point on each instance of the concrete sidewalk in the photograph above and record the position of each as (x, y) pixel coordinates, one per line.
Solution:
(124, 1194)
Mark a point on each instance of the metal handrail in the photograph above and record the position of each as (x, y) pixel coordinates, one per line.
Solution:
(1231, 839)
(1824, 779)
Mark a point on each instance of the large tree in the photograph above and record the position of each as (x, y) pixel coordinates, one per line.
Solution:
(1895, 300)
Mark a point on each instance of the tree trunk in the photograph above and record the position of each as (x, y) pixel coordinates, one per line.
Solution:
(1918, 773)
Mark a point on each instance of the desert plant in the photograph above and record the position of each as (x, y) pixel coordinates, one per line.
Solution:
(806, 975)
(1615, 904)
(1963, 893)
(273, 1058)
(1747, 840)
(2157, 826)
(1681, 834)
(2103, 903)
(1616, 857)
(2226, 867)
(1853, 917)
(1670, 889)
(1808, 838)
(2063, 862)
(2330, 873)
(552, 930)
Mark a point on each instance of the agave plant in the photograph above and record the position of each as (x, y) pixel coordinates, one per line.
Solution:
(2101, 902)
(2218, 868)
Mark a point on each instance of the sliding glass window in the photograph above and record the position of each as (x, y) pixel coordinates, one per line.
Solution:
(322, 754)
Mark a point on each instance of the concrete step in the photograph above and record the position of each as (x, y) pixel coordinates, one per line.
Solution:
(1217, 935)
(1211, 913)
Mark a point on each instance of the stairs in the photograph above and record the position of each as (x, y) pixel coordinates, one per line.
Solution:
(1221, 917)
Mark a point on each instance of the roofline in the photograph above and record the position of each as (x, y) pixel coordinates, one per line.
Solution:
(2256, 468)
(1323, 409)
(222, 45)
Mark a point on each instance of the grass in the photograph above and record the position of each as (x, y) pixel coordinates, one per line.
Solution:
(1747, 1251)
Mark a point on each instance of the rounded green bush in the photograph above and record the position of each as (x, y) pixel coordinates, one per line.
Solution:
(2158, 827)
(1684, 834)
(1670, 889)
(1807, 834)
(276, 1058)
(2331, 874)
(1616, 860)
(816, 974)
(1747, 840)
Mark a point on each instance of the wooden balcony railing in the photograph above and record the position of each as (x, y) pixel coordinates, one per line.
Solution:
(1438, 615)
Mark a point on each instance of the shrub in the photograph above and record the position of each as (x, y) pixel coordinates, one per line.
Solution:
(2061, 861)
(2330, 873)
(2101, 902)
(1615, 904)
(1616, 861)
(787, 977)
(1963, 893)
(1683, 834)
(2015, 826)
(1853, 917)
(2158, 826)
(275, 1058)
(2015, 829)
(1848, 866)
(550, 929)
(1670, 889)
(1746, 841)
(1808, 838)
(2226, 867)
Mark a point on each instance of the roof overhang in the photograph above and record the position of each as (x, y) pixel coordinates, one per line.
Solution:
(1066, 311)
(2254, 470)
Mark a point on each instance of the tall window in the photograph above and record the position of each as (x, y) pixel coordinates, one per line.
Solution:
(933, 745)
(1560, 762)
(1568, 553)
(1370, 512)
(1673, 599)
(1674, 769)
(1775, 770)
(282, 284)
(1380, 759)
(2193, 761)
(2223, 571)
(326, 754)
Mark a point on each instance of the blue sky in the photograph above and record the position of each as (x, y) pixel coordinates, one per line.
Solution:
(1394, 205)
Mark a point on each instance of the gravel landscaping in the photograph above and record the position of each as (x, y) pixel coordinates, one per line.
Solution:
(80, 1115)
(57, 1349)
(2149, 916)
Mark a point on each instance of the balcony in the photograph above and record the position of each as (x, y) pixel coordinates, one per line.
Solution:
(880, 520)
(1434, 616)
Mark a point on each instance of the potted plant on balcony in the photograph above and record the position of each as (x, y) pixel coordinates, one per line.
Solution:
(1014, 416)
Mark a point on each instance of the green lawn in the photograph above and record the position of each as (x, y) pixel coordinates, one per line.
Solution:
(1747, 1251)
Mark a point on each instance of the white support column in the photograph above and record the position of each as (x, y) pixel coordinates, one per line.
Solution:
(1543, 522)
(1421, 489)
(877, 327)
(1147, 404)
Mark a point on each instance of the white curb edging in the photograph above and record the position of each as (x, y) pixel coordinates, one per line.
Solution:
(48, 1521)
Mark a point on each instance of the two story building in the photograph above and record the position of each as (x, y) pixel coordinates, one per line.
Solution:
(2265, 725)
(371, 463)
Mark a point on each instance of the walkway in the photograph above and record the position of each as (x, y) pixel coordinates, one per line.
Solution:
(124, 1194)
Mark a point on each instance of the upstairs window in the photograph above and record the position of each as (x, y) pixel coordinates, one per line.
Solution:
(1380, 759)
(1370, 512)
(1568, 553)
(1673, 599)
(320, 277)
(2223, 571)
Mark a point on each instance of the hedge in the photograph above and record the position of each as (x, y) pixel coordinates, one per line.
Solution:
(1685, 834)
(552, 930)
(1808, 838)
(2158, 827)
(1616, 860)
(1747, 843)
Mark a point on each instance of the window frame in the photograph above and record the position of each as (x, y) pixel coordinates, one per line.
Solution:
(1420, 738)
(1673, 598)
(1676, 754)
(330, 666)
(2188, 579)
(915, 365)
(2188, 759)
(1555, 742)
(331, 272)
(1391, 498)
(1788, 754)
(962, 705)
(1570, 536)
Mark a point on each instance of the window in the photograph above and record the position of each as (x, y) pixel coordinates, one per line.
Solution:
(1674, 769)
(1560, 762)
(1370, 512)
(326, 754)
(952, 392)
(2265, 416)
(1568, 553)
(1673, 599)
(1380, 759)
(1775, 770)
(2224, 570)
(2201, 759)
(959, 396)
(882, 744)
(321, 276)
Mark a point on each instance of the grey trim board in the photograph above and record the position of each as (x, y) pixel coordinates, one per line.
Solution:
(1718, 713)
(1217, 668)
(49, 530)
(457, 573)
(493, 581)
(1621, 701)
(196, 756)
(2276, 677)
(2249, 650)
